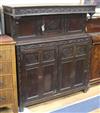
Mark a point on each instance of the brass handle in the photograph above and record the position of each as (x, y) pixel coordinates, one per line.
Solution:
(2, 98)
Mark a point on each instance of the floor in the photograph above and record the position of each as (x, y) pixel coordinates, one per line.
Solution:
(58, 103)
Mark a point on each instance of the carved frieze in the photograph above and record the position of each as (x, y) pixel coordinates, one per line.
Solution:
(47, 10)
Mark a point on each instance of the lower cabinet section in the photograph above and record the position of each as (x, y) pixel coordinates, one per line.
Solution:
(50, 69)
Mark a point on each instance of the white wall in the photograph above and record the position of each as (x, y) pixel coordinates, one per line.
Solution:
(38, 1)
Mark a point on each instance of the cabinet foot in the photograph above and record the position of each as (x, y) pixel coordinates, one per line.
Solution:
(86, 89)
(21, 109)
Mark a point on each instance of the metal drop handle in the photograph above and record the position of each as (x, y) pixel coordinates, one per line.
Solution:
(43, 27)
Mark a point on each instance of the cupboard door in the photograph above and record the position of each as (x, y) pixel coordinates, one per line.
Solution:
(75, 22)
(81, 72)
(81, 65)
(65, 70)
(30, 79)
(32, 23)
(49, 70)
(52, 24)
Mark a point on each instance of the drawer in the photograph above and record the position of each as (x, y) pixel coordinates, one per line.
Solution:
(5, 55)
(6, 97)
(5, 68)
(6, 82)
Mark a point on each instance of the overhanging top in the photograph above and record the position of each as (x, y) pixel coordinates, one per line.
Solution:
(27, 10)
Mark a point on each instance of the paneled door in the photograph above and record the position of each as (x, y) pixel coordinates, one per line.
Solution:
(49, 69)
(81, 66)
(65, 68)
(30, 77)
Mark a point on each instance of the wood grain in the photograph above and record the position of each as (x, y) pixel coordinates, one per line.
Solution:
(8, 87)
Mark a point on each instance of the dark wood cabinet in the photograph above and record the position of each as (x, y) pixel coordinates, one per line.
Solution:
(53, 50)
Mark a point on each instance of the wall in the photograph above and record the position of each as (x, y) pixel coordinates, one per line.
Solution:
(38, 1)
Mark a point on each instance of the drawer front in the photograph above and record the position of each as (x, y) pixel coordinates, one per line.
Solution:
(5, 55)
(5, 68)
(5, 97)
(4, 82)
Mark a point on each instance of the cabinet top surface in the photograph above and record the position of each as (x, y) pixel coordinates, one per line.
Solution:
(47, 5)
(47, 9)
(4, 39)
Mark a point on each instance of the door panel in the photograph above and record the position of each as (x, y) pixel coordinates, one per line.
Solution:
(30, 73)
(49, 69)
(81, 64)
(52, 24)
(49, 79)
(32, 85)
(65, 77)
(65, 70)
(80, 72)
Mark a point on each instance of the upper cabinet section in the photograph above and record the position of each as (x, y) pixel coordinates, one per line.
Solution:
(45, 21)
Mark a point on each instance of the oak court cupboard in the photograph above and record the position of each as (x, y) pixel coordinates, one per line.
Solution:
(53, 50)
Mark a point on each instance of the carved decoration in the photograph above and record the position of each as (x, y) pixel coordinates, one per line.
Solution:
(81, 50)
(48, 55)
(31, 58)
(67, 52)
(46, 10)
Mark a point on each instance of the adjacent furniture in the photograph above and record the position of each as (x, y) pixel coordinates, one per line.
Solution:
(53, 50)
(95, 60)
(93, 27)
(8, 87)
